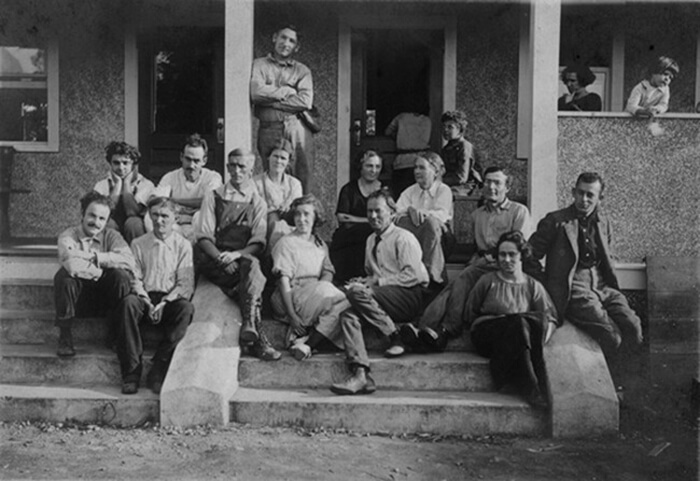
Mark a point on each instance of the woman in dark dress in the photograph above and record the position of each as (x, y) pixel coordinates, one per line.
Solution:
(577, 78)
(511, 318)
(347, 251)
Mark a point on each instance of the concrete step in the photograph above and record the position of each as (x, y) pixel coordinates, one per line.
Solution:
(442, 412)
(26, 293)
(450, 371)
(276, 333)
(38, 363)
(37, 327)
(29, 266)
(91, 404)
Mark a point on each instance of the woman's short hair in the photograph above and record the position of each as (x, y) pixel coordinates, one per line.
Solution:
(583, 74)
(456, 116)
(661, 64)
(310, 199)
(517, 238)
(122, 149)
(435, 161)
(366, 156)
(284, 145)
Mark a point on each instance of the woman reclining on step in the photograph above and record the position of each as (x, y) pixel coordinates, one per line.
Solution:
(512, 317)
(305, 296)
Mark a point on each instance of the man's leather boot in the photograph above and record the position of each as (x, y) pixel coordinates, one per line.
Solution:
(250, 311)
(262, 349)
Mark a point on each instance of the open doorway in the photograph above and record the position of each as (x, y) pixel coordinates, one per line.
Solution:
(393, 71)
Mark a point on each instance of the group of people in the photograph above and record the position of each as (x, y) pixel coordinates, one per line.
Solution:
(648, 98)
(139, 248)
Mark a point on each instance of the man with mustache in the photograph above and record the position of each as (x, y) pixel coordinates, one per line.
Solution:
(281, 90)
(230, 236)
(96, 266)
(187, 185)
(128, 190)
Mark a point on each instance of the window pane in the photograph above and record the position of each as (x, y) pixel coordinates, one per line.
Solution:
(22, 62)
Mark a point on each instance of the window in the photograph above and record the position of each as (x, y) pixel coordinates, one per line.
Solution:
(29, 97)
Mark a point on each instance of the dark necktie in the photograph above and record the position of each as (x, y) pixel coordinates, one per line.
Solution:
(374, 249)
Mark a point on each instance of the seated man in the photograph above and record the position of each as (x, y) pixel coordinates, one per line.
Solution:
(96, 266)
(162, 288)
(187, 185)
(579, 271)
(445, 316)
(230, 234)
(128, 190)
(392, 291)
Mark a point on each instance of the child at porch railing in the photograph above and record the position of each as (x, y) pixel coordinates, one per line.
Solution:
(650, 97)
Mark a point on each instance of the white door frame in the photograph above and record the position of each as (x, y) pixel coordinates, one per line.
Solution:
(449, 83)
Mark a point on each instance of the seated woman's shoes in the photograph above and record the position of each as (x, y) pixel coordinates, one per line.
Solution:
(433, 341)
(300, 351)
(355, 385)
(65, 345)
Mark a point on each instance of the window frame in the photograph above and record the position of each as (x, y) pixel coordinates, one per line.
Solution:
(52, 97)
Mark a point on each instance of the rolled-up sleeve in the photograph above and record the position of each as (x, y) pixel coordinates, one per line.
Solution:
(117, 254)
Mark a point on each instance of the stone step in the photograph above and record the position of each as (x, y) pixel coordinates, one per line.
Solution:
(450, 371)
(29, 266)
(38, 364)
(90, 404)
(37, 327)
(26, 293)
(276, 333)
(441, 412)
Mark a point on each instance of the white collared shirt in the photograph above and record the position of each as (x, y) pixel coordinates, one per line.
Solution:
(436, 201)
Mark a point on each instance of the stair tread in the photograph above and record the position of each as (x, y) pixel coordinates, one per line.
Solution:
(325, 396)
(49, 350)
(71, 391)
(450, 357)
(26, 281)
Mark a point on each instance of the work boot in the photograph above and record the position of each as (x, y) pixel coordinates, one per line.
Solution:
(359, 383)
(250, 311)
(65, 343)
(156, 376)
(434, 341)
(396, 347)
(263, 350)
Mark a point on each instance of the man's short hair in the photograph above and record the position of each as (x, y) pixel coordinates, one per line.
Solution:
(499, 168)
(160, 201)
(122, 148)
(590, 178)
(456, 116)
(196, 140)
(94, 197)
(289, 26)
(238, 152)
(384, 193)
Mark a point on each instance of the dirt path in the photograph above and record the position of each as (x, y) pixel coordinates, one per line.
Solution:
(43, 451)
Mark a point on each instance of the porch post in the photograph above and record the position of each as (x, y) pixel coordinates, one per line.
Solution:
(545, 20)
(238, 53)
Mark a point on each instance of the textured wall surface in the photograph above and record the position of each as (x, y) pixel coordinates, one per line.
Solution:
(91, 106)
(651, 189)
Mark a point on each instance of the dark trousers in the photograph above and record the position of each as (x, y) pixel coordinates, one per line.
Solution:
(513, 344)
(380, 307)
(248, 282)
(133, 309)
(129, 227)
(601, 311)
(75, 296)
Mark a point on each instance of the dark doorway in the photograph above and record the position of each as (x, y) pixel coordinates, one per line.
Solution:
(180, 93)
(393, 71)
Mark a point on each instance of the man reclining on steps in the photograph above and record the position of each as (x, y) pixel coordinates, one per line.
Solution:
(230, 234)
(96, 267)
(392, 291)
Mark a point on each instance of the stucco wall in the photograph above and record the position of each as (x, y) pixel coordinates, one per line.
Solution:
(651, 190)
(91, 107)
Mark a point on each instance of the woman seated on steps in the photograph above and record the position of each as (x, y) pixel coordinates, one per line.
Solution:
(305, 296)
(511, 318)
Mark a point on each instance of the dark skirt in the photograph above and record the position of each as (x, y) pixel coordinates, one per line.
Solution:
(513, 344)
(347, 251)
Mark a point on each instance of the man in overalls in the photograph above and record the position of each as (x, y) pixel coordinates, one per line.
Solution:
(230, 234)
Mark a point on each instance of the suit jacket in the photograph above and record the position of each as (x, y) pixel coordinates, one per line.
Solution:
(557, 239)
